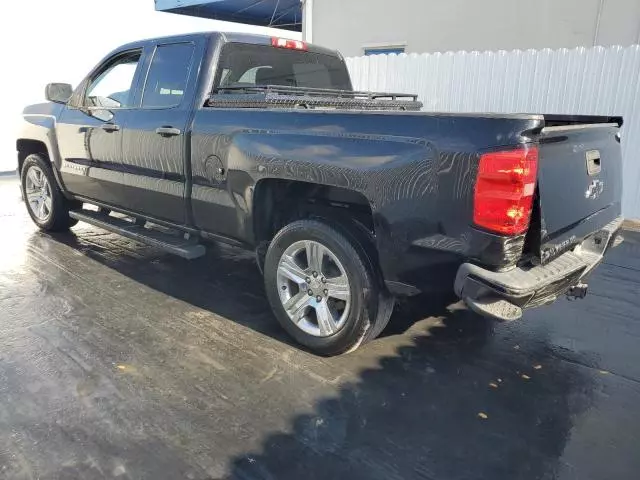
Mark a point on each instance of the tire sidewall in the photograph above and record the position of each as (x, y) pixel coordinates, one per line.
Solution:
(57, 202)
(359, 319)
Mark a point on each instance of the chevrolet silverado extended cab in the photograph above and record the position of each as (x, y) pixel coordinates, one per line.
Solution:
(349, 199)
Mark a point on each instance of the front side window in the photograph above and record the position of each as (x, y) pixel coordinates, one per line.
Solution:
(112, 87)
(248, 65)
(168, 76)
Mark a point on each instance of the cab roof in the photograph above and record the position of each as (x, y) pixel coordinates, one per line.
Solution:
(226, 37)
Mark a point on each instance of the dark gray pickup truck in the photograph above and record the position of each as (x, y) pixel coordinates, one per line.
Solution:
(349, 199)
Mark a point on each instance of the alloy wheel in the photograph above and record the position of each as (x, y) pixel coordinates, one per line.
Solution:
(314, 288)
(38, 193)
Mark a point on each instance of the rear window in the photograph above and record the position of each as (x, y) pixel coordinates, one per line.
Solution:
(246, 65)
(168, 75)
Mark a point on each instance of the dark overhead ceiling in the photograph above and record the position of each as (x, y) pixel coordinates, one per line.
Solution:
(286, 14)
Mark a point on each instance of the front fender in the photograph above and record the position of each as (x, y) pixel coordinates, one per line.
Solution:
(39, 124)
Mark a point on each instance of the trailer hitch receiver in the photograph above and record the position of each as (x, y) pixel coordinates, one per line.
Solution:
(578, 291)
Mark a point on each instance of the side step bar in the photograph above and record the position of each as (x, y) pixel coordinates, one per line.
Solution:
(188, 249)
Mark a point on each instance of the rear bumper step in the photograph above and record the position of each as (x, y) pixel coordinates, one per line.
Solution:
(503, 295)
(164, 241)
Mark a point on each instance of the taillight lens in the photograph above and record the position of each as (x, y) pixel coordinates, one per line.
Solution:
(504, 191)
(290, 44)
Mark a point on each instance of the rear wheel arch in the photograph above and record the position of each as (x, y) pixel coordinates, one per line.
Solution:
(278, 202)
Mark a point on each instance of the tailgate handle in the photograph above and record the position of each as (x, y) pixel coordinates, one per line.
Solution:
(593, 162)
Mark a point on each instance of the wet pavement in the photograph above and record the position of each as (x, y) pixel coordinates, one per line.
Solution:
(119, 361)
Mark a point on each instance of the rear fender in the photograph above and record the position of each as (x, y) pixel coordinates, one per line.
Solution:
(397, 175)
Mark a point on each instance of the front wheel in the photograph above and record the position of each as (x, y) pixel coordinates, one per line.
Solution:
(322, 288)
(45, 202)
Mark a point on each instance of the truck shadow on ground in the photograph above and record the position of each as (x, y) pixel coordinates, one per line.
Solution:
(226, 281)
(458, 403)
(453, 400)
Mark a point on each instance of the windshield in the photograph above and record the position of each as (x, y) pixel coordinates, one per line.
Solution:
(247, 65)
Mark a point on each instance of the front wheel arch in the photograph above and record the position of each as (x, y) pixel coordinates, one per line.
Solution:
(26, 147)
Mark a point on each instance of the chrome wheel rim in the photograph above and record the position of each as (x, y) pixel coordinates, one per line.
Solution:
(38, 193)
(314, 288)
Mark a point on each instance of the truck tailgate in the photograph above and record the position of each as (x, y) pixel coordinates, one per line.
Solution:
(579, 180)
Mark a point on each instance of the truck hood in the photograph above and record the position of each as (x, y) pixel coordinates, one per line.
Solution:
(46, 108)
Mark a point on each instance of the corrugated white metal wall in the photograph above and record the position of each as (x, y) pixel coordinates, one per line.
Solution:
(597, 81)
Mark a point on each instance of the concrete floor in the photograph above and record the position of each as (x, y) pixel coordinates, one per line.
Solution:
(118, 361)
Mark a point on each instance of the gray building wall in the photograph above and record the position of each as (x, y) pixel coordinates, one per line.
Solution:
(444, 25)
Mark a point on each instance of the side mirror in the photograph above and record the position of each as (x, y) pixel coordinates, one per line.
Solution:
(58, 92)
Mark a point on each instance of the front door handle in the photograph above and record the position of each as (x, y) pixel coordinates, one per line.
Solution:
(110, 127)
(168, 131)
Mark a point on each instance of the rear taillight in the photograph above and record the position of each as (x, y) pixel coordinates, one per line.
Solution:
(504, 191)
(286, 43)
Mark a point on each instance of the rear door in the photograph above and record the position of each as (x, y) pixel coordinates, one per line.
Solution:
(155, 133)
(580, 182)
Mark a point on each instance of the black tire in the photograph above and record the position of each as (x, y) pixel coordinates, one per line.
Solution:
(371, 304)
(58, 220)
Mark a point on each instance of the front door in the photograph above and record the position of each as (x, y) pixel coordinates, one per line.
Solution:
(155, 135)
(91, 132)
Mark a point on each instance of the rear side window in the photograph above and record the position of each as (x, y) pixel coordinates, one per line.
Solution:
(246, 65)
(168, 76)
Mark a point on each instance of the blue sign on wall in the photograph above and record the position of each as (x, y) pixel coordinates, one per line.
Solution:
(383, 50)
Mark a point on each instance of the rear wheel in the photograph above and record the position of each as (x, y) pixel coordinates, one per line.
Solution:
(46, 204)
(323, 289)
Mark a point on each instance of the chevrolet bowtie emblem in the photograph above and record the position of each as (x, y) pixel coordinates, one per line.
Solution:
(595, 189)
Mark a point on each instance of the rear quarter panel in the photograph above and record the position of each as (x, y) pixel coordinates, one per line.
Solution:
(416, 170)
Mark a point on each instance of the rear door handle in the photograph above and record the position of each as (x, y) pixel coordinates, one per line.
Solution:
(168, 131)
(110, 127)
